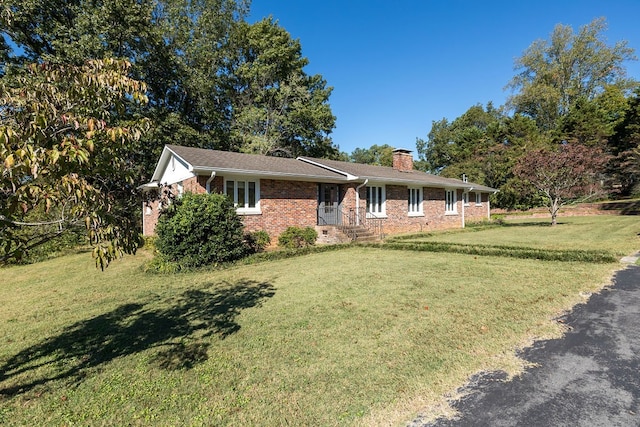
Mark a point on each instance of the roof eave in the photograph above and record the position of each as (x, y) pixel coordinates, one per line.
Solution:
(260, 173)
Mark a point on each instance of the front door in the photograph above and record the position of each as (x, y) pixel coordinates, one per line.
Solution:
(328, 203)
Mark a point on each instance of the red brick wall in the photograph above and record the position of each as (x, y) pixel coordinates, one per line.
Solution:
(151, 209)
(294, 203)
(215, 186)
(348, 197)
(149, 217)
(284, 204)
(475, 212)
(433, 205)
(196, 184)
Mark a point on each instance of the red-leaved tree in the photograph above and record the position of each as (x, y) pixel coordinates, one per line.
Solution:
(569, 173)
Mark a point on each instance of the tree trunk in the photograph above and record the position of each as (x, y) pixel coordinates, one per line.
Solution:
(555, 207)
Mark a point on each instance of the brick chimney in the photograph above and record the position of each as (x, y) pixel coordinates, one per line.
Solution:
(402, 160)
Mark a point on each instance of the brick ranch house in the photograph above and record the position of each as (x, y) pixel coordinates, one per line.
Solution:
(341, 200)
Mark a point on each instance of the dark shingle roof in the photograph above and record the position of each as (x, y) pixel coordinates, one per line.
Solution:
(202, 159)
(389, 174)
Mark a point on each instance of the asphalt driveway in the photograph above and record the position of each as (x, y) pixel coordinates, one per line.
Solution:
(590, 377)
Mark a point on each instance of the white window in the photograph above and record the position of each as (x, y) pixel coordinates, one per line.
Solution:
(465, 198)
(450, 202)
(245, 194)
(376, 200)
(180, 189)
(478, 199)
(414, 201)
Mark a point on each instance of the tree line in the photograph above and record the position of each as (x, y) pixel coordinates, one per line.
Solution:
(569, 130)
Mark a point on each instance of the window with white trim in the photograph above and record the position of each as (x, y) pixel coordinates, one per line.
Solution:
(478, 199)
(244, 193)
(465, 198)
(376, 200)
(414, 201)
(450, 202)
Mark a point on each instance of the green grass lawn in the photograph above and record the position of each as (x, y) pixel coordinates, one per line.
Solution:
(616, 234)
(360, 336)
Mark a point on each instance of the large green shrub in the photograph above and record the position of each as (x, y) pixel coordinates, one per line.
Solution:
(200, 229)
(296, 237)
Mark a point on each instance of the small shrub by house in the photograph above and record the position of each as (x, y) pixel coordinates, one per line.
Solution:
(297, 237)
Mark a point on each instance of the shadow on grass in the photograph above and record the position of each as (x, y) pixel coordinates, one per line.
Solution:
(132, 328)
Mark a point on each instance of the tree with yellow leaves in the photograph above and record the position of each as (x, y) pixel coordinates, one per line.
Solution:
(67, 134)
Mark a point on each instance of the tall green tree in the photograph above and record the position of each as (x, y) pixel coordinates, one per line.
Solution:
(571, 89)
(625, 147)
(183, 70)
(275, 107)
(593, 122)
(484, 145)
(453, 149)
(516, 136)
(556, 74)
(212, 79)
(379, 155)
(72, 31)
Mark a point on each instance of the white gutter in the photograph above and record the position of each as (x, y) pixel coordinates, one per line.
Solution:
(144, 228)
(208, 185)
(358, 200)
(148, 186)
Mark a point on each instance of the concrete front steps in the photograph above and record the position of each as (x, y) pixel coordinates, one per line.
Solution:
(333, 234)
(360, 233)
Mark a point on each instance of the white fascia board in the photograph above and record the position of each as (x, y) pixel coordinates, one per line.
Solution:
(461, 186)
(171, 168)
(320, 165)
(164, 158)
(153, 185)
(163, 162)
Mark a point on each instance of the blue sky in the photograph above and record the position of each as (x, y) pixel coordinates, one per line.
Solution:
(397, 66)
